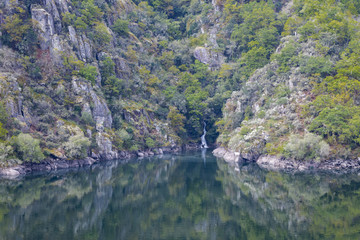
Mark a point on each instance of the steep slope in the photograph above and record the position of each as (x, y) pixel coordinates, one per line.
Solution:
(304, 104)
(98, 78)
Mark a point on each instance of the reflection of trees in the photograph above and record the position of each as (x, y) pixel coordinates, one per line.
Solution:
(306, 206)
(180, 197)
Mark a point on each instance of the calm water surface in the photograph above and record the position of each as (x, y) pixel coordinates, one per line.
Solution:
(188, 196)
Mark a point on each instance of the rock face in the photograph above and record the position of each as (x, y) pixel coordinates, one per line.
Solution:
(85, 96)
(209, 57)
(81, 45)
(45, 23)
(105, 146)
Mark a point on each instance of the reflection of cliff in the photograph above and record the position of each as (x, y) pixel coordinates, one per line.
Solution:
(180, 197)
(65, 204)
(73, 205)
(291, 204)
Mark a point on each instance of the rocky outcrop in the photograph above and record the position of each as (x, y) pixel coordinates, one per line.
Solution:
(228, 155)
(86, 95)
(81, 44)
(209, 57)
(105, 147)
(44, 22)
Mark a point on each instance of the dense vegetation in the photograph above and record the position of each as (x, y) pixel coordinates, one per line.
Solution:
(315, 88)
(174, 64)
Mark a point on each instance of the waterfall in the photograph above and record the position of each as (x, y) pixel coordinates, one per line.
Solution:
(203, 140)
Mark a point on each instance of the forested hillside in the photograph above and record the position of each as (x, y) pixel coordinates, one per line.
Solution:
(94, 78)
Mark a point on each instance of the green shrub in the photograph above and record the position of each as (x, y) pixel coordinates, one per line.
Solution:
(121, 27)
(341, 124)
(315, 65)
(76, 147)
(287, 57)
(123, 139)
(3, 114)
(3, 132)
(244, 131)
(87, 118)
(5, 151)
(150, 143)
(89, 73)
(309, 147)
(101, 36)
(261, 114)
(27, 148)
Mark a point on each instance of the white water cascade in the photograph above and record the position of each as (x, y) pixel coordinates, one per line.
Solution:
(203, 140)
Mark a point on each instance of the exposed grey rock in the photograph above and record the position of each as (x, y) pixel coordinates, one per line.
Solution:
(9, 172)
(45, 23)
(53, 11)
(211, 58)
(105, 147)
(218, 6)
(228, 155)
(73, 37)
(101, 113)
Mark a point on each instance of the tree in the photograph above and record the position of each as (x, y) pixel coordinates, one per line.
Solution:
(176, 120)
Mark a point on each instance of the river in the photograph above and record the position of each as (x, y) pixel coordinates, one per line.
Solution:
(187, 196)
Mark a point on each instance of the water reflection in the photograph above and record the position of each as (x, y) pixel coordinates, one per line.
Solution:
(190, 196)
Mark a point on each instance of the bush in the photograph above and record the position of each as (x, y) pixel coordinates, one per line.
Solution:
(123, 139)
(309, 147)
(101, 36)
(121, 27)
(287, 57)
(3, 132)
(89, 73)
(27, 148)
(340, 124)
(315, 65)
(150, 143)
(76, 147)
(87, 118)
(3, 114)
(5, 151)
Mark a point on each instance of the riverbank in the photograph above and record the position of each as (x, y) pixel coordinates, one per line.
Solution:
(52, 164)
(275, 163)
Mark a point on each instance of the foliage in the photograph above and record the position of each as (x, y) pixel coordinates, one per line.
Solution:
(89, 73)
(339, 124)
(76, 147)
(3, 132)
(176, 120)
(257, 23)
(27, 148)
(5, 151)
(306, 148)
(121, 27)
(16, 25)
(315, 65)
(101, 36)
(150, 143)
(287, 56)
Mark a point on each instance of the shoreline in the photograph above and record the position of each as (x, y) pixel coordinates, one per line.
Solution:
(53, 164)
(275, 163)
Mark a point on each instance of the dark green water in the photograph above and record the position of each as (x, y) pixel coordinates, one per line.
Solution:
(189, 196)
